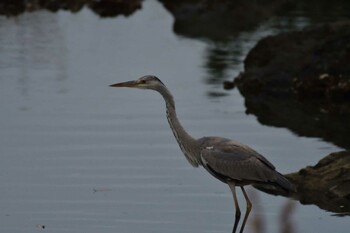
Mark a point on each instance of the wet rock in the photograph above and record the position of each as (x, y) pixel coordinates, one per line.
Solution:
(110, 8)
(56, 5)
(224, 19)
(326, 185)
(301, 80)
(104, 8)
(309, 63)
(210, 19)
(12, 7)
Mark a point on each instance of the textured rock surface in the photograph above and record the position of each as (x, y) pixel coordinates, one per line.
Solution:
(210, 19)
(327, 184)
(104, 8)
(301, 80)
(312, 63)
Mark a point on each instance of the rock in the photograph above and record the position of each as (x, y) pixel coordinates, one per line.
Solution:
(326, 185)
(56, 5)
(219, 20)
(301, 80)
(110, 8)
(222, 20)
(12, 7)
(104, 8)
(312, 63)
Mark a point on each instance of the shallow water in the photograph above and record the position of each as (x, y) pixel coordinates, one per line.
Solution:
(79, 156)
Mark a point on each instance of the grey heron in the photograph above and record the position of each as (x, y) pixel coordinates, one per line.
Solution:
(231, 162)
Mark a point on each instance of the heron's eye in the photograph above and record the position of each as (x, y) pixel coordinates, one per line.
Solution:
(142, 81)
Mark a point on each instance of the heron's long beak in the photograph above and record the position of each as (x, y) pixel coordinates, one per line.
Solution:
(125, 84)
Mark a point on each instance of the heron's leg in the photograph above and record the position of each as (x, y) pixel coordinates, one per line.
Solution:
(238, 211)
(249, 207)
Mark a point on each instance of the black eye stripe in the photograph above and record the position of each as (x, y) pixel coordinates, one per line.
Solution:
(158, 80)
(149, 78)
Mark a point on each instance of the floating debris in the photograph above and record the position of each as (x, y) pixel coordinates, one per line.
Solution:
(102, 190)
(40, 226)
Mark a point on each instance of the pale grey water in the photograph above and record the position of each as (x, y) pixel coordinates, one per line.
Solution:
(79, 156)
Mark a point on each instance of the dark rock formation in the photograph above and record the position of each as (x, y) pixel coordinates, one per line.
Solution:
(217, 20)
(110, 8)
(104, 8)
(301, 80)
(310, 63)
(220, 20)
(12, 7)
(327, 184)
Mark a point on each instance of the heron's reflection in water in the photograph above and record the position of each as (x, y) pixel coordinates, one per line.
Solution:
(285, 223)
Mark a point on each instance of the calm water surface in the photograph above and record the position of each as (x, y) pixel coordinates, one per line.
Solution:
(79, 156)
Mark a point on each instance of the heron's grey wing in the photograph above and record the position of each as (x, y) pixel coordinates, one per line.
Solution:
(236, 165)
(234, 147)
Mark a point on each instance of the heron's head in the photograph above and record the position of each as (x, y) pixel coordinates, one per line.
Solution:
(145, 82)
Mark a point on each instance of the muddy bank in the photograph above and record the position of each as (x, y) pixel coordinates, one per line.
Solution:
(301, 80)
(104, 8)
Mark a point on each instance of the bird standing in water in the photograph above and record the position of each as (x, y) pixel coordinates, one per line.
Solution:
(229, 161)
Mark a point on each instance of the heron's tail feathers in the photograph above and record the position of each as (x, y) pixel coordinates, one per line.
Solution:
(285, 183)
(279, 185)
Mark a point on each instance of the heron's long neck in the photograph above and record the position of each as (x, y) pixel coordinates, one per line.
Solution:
(187, 143)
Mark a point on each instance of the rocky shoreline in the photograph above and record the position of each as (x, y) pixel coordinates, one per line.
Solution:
(301, 80)
(311, 63)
